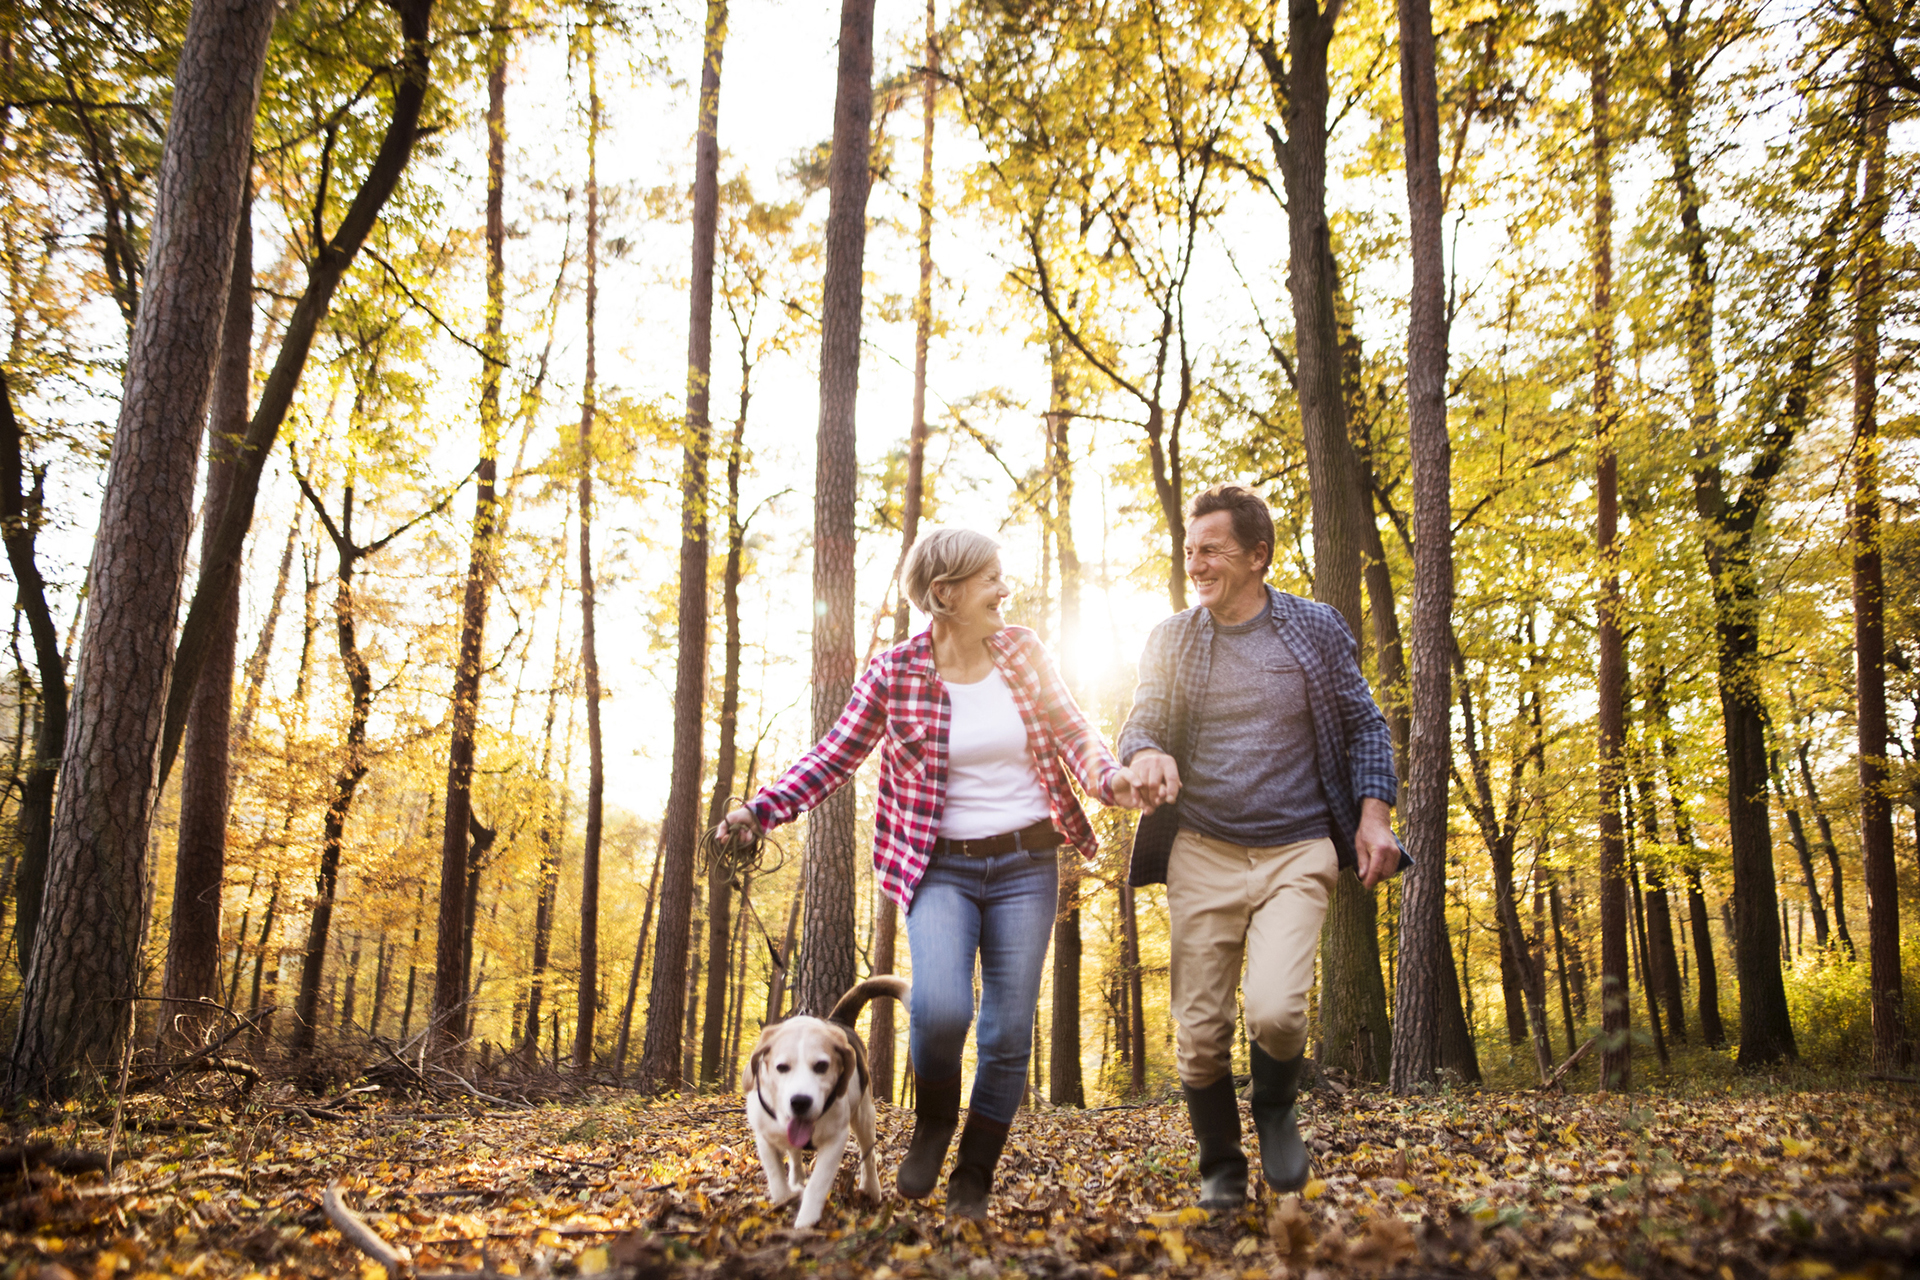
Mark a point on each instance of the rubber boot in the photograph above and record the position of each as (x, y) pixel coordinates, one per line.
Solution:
(1283, 1156)
(1215, 1115)
(972, 1176)
(936, 1114)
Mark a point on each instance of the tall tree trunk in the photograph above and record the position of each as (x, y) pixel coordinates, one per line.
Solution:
(633, 975)
(827, 876)
(1837, 884)
(254, 674)
(200, 860)
(1616, 1016)
(660, 1058)
(1132, 982)
(1797, 834)
(1065, 1085)
(706, 215)
(353, 768)
(1351, 998)
(886, 917)
(587, 994)
(1712, 1032)
(409, 74)
(1663, 977)
(20, 518)
(1423, 898)
(777, 980)
(449, 976)
(1891, 1049)
(84, 971)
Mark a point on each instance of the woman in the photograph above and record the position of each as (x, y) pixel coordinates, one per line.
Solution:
(977, 733)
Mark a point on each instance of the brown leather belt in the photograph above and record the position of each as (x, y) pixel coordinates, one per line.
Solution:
(1037, 838)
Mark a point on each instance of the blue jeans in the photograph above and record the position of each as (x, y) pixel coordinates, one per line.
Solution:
(1000, 909)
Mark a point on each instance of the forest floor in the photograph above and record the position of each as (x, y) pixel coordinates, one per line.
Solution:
(1718, 1182)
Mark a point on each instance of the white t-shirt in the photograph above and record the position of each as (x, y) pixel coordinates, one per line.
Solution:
(991, 784)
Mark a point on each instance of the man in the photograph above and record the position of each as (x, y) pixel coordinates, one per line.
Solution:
(1254, 736)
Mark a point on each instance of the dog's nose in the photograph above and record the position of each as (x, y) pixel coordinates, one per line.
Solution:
(801, 1104)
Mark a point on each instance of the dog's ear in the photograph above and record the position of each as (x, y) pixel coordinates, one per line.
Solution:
(753, 1063)
(850, 1059)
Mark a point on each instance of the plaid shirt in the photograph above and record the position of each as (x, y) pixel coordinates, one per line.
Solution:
(900, 704)
(1351, 743)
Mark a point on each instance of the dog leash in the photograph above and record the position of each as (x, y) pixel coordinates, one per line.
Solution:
(741, 860)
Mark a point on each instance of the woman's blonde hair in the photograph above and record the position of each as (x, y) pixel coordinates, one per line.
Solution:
(945, 554)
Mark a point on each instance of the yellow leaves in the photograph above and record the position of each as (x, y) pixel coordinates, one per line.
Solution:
(1804, 1269)
(910, 1252)
(1191, 1217)
(1798, 1150)
(1314, 1189)
(1246, 1247)
(1174, 1242)
(1606, 1271)
(593, 1261)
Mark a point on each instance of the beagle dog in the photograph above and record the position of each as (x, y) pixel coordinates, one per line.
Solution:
(807, 1090)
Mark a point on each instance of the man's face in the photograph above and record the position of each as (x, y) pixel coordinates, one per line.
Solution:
(1220, 568)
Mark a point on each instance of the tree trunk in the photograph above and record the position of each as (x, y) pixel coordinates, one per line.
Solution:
(886, 917)
(588, 988)
(1424, 950)
(777, 980)
(1797, 834)
(1065, 1085)
(827, 931)
(1712, 1033)
(1560, 963)
(1838, 885)
(200, 861)
(660, 1059)
(449, 977)
(1616, 1045)
(633, 976)
(20, 518)
(254, 674)
(76, 1001)
(706, 214)
(1338, 509)
(329, 264)
(1131, 978)
(1891, 1049)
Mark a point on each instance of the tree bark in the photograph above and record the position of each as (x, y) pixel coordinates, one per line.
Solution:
(20, 512)
(255, 672)
(633, 976)
(1616, 1045)
(588, 991)
(706, 218)
(1132, 983)
(324, 273)
(660, 1059)
(827, 931)
(200, 859)
(1712, 1032)
(1424, 949)
(1338, 509)
(1891, 1048)
(1066, 1086)
(449, 976)
(1797, 834)
(886, 917)
(1838, 893)
(76, 1001)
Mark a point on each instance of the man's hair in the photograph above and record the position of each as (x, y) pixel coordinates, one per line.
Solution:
(945, 555)
(1252, 522)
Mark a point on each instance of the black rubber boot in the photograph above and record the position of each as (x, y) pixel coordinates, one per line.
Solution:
(972, 1176)
(1283, 1156)
(936, 1114)
(1215, 1114)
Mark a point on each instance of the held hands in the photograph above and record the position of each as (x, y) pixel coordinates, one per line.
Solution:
(738, 827)
(1376, 852)
(1154, 778)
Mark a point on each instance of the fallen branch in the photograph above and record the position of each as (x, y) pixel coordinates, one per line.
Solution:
(1553, 1081)
(168, 1071)
(44, 1155)
(355, 1231)
(154, 1077)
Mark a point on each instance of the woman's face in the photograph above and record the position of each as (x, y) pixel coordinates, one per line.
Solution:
(976, 601)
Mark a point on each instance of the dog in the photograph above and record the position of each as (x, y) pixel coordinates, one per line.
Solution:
(806, 1090)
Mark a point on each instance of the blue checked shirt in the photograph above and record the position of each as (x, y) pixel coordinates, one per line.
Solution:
(1351, 743)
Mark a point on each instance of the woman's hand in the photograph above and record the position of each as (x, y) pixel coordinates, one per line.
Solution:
(1127, 791)
(738, 827)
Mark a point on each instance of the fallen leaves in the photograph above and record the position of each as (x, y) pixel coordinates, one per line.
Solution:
(1788, 1187)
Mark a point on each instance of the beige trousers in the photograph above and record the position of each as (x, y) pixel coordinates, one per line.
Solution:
(1232, 904)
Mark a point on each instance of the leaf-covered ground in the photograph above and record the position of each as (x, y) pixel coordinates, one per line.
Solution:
(1801, 1185)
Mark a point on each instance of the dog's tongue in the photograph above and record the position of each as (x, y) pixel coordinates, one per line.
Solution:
(799, 1133)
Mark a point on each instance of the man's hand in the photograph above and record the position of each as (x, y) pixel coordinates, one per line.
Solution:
(1156, 778)
(1376, 852)
(738, 827)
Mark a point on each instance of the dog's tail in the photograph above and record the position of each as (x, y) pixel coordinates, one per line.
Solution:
(847, 1011)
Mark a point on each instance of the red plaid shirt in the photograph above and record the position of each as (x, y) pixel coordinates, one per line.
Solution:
(900, 704)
